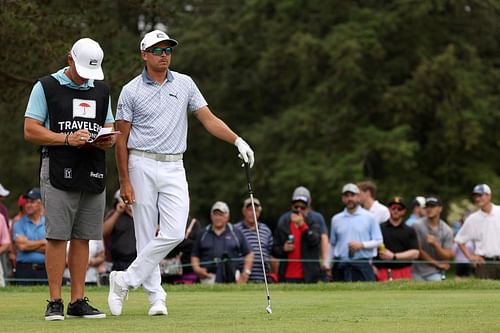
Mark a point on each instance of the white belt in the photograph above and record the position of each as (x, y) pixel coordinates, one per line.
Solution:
(156, 157)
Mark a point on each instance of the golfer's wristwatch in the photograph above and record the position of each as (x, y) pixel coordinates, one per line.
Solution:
(247, 272)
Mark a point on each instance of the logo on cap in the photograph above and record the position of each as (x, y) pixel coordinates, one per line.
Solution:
(93, 62)
(160, 35)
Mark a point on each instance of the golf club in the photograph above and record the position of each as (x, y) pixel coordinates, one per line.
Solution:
(250, 192)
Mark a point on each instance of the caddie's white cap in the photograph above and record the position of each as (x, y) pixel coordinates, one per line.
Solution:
(88, 56)
(220, 205)
(481, 189)
(154, 37)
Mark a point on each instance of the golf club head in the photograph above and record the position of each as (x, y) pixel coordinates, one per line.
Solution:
(269, 309)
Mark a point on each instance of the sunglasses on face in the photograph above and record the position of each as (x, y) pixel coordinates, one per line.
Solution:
(397, 208)
(158, 51)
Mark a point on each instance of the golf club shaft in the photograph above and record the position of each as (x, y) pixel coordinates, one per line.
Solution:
(250, 192)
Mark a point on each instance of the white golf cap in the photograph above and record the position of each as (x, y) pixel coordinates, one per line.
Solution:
(88, 56)
(481, 189)
(220, 205)
(3, 191)
(353, 188)
(154, 37)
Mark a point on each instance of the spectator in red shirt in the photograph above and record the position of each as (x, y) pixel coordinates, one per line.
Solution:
(297, 244)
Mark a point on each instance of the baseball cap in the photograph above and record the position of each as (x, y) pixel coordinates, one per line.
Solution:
(353, 188)
(481, 189)
(418, 201)
(433, 201)
(21, 201)
(397, 201)
(88, 55)
(154, 37)
(3, 191)
(248, 202)
(301, 193)
(33, 194)
(220, 205)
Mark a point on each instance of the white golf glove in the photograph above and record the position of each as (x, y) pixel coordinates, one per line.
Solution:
(246, 153)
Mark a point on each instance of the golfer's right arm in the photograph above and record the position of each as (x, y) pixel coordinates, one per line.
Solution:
(126, 190)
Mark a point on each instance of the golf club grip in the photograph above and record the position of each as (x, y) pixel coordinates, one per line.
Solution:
(249, 178)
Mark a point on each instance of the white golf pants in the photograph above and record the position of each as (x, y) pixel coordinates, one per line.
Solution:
(161, 199)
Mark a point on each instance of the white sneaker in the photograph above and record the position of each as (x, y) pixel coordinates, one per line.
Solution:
(118, 292)
(158, 309)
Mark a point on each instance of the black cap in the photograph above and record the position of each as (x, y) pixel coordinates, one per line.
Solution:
(34, 194)
(433, 201)
(397, 201)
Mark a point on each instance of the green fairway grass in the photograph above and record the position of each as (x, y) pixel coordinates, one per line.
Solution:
(399, 306)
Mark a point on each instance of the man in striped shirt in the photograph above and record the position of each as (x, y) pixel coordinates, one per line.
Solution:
(247, 226)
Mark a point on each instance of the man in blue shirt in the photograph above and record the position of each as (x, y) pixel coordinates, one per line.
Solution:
(220, 249)
(29, 237)
(355, 236)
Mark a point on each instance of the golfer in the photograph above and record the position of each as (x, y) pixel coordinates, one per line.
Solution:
(72, 180)
(152, 114)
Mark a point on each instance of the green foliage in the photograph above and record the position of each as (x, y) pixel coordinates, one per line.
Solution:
(326, 92)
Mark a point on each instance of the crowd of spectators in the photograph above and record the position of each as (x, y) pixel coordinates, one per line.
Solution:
(366, 241)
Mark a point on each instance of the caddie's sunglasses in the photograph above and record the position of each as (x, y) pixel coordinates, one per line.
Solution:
(158, 51)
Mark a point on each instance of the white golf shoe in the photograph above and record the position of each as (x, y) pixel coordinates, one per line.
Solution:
(118, 292)
(158, 309)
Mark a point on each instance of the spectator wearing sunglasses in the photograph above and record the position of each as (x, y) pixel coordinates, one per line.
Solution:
(435, 239)
(297, 241)
(400, 245)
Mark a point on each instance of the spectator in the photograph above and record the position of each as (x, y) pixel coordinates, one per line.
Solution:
(297, 241)
(21, 201)
(3, 210)
(182, 254)
(248, 228)
(483, 228)
(4, 247)
(355, 236)
(96, 263)
(220, 248)
(435, 240)
(400, 245)
(302, 194)
(4, 260)
(367, 193)
(29, 238)
(119, 235)
(417, 210)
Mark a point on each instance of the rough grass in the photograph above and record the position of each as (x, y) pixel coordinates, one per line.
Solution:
(399, 306)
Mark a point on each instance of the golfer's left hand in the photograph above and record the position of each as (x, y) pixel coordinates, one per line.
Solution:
(246, 153)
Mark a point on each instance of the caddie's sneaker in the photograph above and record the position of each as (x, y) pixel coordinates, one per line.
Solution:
(118, 292)
(55, 310)
(82, 309)
(158, 309)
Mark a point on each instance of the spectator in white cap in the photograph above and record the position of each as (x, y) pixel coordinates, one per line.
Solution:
(417, 210)
(65, 111)
(221, 250)
(367, 198)
(483, 228)
(152, 115)
(355, 236)
(249, 230)
(3, 210)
